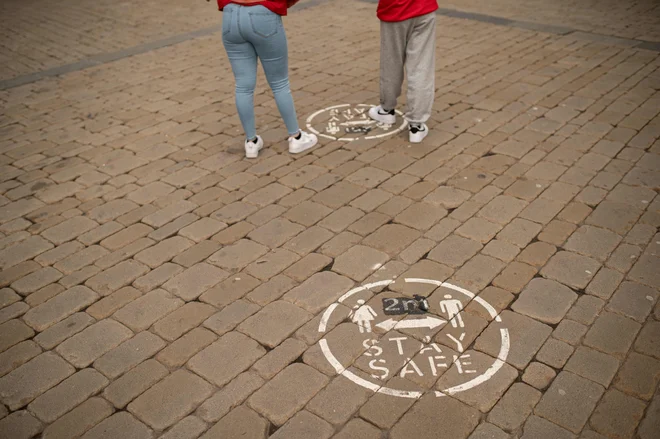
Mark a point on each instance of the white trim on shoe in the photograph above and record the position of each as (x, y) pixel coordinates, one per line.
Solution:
(418, 136)
(379, 114)
(252, 148)
(306, 141)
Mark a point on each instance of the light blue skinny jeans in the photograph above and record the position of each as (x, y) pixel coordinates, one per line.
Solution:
(248, 33)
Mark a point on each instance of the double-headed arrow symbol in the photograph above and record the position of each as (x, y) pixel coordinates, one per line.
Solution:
(426, 322)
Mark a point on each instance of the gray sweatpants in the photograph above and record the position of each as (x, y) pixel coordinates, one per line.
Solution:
(409, 43)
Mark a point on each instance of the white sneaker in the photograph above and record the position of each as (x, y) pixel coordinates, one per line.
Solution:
(377, 113)
(417, 132)
(252, 148)
(306, 141)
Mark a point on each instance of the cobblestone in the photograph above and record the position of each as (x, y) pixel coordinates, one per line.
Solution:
(124, 197)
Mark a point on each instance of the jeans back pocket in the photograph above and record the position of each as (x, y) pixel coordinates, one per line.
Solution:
(264, 24)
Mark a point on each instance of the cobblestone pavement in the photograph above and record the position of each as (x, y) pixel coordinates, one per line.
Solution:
(154, 283)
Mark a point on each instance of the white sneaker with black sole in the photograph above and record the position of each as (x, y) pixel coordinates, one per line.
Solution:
(252, 148)
(380, 115)
(305, 142)
(417, 132)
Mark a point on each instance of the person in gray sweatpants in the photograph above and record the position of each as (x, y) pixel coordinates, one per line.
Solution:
(407, 43)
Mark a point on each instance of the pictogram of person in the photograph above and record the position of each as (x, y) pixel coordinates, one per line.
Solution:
(362, 316)
(453, 309)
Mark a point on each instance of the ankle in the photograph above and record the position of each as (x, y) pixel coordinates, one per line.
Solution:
(297, 136)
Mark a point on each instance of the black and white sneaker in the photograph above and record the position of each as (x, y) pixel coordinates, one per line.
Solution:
(417, 132)
(377, 113)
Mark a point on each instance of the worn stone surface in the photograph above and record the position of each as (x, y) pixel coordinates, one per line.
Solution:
(514, 407)
(240, 422)
(569, 401)
(617, 414)
(220, 362)
(32, 379)
(171, 399)
(279, 399)
(612, 334)
(426, 417)
(138, 243)
(527, 336)
(545, 300)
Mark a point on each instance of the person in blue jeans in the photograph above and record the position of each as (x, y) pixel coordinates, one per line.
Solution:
(253, 30)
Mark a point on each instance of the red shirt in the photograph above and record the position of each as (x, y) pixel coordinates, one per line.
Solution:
(277, 6)
(400, 10)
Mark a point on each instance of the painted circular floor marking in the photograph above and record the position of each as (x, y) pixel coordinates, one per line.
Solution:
(411, 337)
(348, 122)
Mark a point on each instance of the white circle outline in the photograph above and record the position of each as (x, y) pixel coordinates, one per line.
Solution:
(308, 122)
(341, 370)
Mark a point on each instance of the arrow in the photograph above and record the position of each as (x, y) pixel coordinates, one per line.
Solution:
(426, 322)
(357, 122)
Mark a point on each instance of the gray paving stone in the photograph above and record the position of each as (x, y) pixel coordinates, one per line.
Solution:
(274, 323)
(20, 425)
(84, 348)
(618, 217)
(189, 427)
(240, 422)
(586, 309)
(359, 262)
(171, 399)
(32, 379)
(194, 281)
(514, 407)
(639, 376)
(427, 418)
(454, 251)
(648, 341)
(539, 428)
(17, 356)
(303, 425)
(545, 300)
(35, 281)
(651, 422)
(486, 395)
(526, 335)
(612, 334)
(13, 332)
(339, 401)
(230, 396)
(60, 307)
(141, 313)
(593, 365)
(127, 387)
(319, 291)
(592, 241)
(645, 270)
(357, 428)
(502, 209)
(280, 398)
(605, 283)
(488, 431)
(211, 363)
(63, 330)
(617, 414)
(116, 277)
(539, 375)
(571, 269)
(129, 354)
(633, 300)
(181, 350)
(569, 401)
(67, 395)
(121, 424)
(554, 353)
